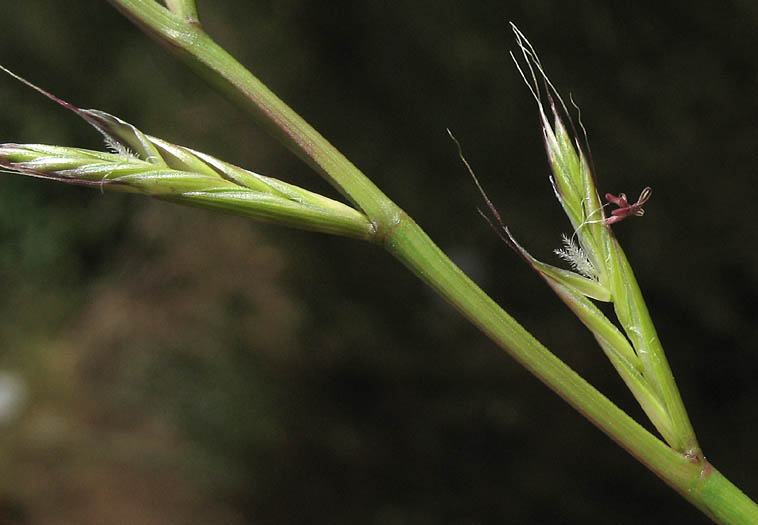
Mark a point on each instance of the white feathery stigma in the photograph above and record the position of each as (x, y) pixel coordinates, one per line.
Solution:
(573, 254)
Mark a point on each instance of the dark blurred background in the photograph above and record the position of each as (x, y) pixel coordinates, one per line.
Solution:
(168, 365)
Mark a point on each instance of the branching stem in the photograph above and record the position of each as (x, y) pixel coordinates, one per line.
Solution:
(694, 478)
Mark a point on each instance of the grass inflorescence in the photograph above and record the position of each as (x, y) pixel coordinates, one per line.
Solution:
(140, 163)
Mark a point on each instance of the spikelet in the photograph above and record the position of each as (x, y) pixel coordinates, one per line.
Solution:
(140, 163)
(599, 268)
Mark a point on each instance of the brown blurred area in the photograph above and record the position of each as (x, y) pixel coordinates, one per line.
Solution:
(160, 364)
(99, 440)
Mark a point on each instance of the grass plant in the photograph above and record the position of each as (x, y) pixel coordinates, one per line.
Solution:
(600, 270)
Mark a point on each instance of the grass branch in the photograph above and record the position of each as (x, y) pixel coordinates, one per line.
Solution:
(232, 79)
(376, 218)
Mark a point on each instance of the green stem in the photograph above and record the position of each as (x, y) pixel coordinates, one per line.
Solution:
(694, 478)
(231, 78)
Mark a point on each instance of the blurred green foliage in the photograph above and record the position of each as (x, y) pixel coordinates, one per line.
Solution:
(185, 367)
